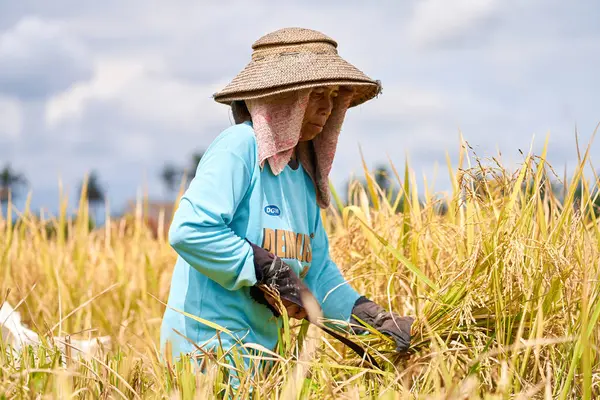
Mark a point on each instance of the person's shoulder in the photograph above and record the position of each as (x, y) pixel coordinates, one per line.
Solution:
(236, 135)
(238, 139)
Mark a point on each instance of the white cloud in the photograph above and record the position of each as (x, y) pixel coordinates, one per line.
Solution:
(137, 95)
(108, 81)
(399, 100)
(435, 21)
(11, 118)
(170, 103)
(39, 58)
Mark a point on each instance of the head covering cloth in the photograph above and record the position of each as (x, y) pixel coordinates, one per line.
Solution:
(276, 84)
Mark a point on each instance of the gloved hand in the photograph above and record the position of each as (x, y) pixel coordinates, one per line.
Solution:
(276, 277)
(390, 324)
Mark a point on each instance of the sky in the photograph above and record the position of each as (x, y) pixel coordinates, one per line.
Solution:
(122, 87)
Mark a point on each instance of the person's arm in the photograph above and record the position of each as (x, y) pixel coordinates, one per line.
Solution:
(335, 295)
(200, 231)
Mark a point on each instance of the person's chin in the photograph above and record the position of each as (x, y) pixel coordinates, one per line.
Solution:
(312, 133)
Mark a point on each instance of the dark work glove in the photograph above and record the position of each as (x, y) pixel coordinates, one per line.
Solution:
(277, 276)
(390, 324)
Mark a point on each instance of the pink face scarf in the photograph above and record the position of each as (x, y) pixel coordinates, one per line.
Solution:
(277, 122)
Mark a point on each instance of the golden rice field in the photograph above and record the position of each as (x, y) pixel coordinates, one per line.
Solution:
(504, 287)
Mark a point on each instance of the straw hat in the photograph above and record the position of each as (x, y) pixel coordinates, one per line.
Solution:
(295, 58)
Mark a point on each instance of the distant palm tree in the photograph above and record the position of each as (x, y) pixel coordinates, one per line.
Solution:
(10, 183)
(95, 192)
(95, 189)
(171, 176)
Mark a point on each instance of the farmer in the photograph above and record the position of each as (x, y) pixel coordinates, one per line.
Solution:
(248, 228)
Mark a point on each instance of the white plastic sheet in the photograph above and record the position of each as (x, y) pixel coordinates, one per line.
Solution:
(16, 336)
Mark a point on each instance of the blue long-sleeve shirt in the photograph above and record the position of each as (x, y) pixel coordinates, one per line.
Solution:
(231, 199)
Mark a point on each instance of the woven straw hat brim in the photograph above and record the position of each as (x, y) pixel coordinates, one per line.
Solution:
(292, 71)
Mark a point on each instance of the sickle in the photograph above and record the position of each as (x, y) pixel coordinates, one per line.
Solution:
(358, 349)
(353, 345)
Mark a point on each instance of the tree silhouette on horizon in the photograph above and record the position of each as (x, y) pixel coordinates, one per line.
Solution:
(171, 176)
(11, 182)
(95, 192)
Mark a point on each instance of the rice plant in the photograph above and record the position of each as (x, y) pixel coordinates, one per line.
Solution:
(500, 273)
